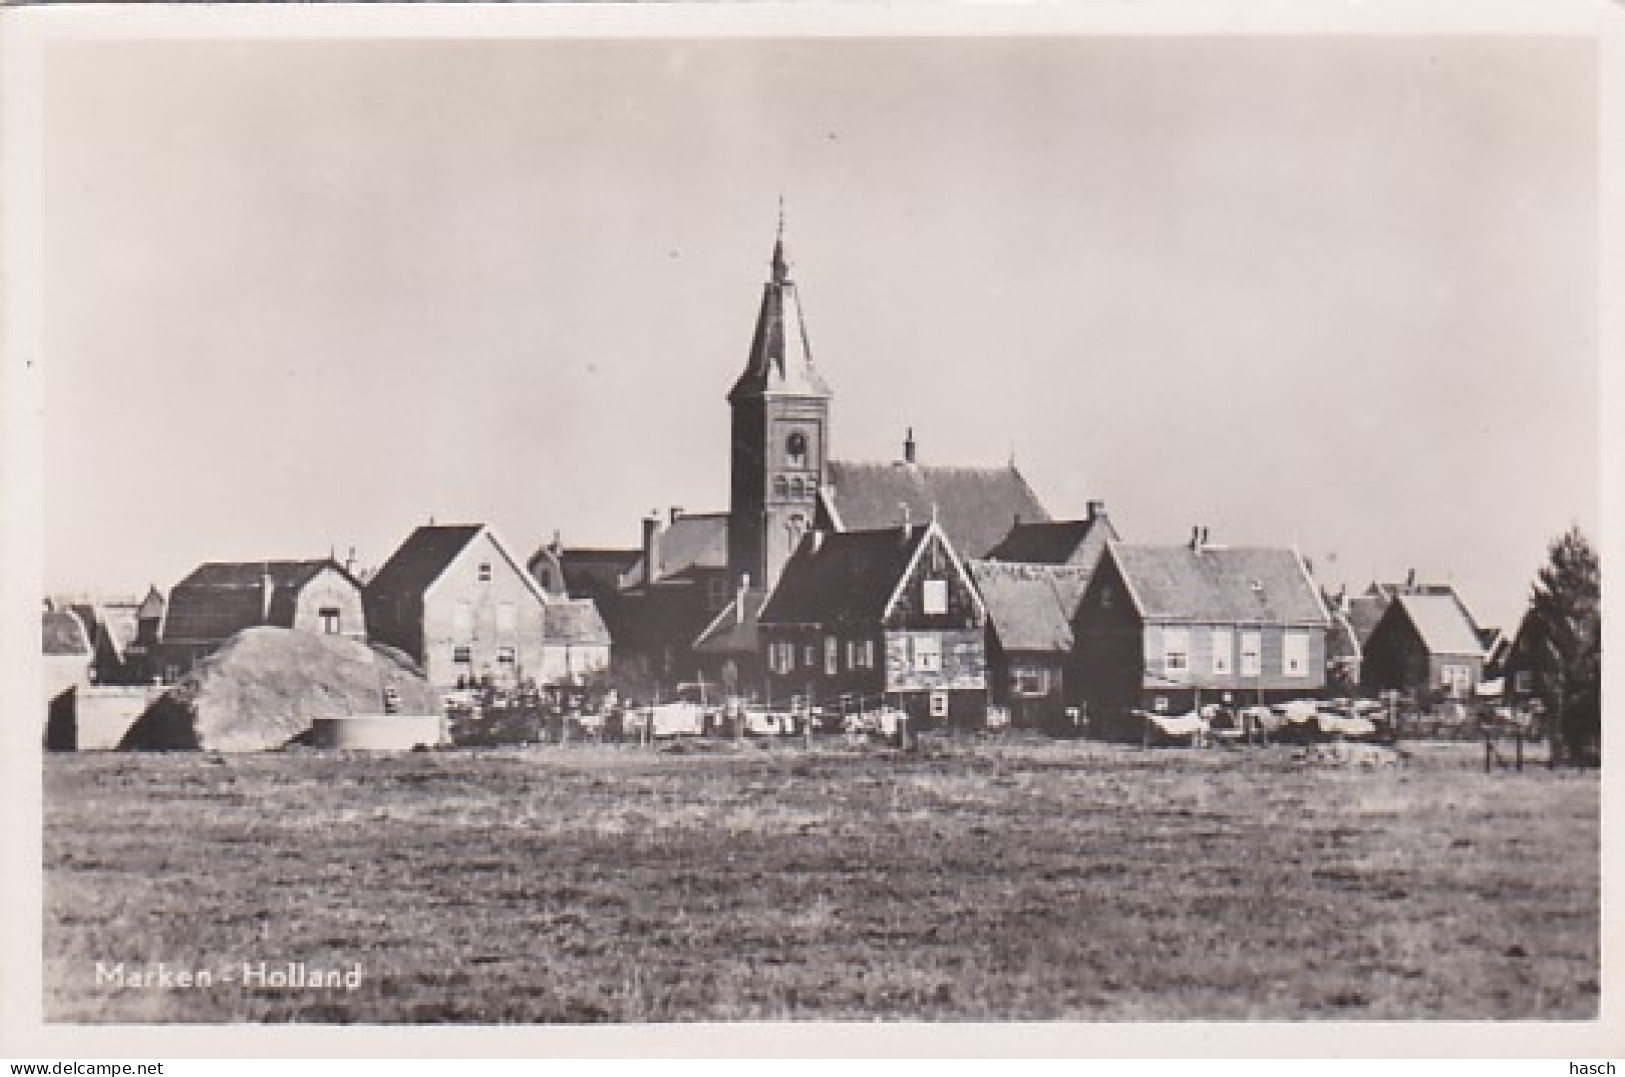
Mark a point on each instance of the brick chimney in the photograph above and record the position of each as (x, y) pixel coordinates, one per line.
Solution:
(908, 447)
(739, 599)
(676, 511)
(651, 547)
(1097, 511)
(267, 589)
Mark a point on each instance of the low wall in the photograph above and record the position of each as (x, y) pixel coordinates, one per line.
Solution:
(104, 714)
(382, 732)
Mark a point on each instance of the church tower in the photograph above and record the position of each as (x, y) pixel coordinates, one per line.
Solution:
(780, 435)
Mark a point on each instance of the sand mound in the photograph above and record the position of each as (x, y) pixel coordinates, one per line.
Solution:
(266, 686)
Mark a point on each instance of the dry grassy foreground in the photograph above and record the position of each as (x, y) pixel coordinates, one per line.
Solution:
(972, 881)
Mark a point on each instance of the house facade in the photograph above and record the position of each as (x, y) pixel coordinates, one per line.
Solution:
(1168, 628)
(861, 619)
(221, 598)
(1029, 636)
(1425, 646)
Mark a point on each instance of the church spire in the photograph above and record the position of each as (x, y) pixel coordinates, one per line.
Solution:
(781, 264)
(780, 358)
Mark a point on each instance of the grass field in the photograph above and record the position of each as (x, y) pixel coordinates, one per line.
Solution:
(968, 881)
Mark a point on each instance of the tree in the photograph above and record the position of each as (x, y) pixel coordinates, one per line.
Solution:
(1561, 639)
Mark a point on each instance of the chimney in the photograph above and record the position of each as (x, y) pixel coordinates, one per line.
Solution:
(267, 588)
(1410, 581)
(349, 561)
(676, 511)
(1196, 539)
(558, 543)
(1097, 511)
(1204, 537)
(739, 599)
(903, 506)
(651, 547)
(908, 447)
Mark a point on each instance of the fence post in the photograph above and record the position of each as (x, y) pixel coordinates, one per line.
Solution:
(1489, 752)
(1518, 740)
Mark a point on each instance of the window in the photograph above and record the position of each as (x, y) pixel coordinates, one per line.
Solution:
(1108, 595)
(852, 654)
(1523, 682)
(927, 654)
(781, 488)
(1176, 651)
(832, 656)
(505, 656)
(809, 656)
(795, 449)
(860, 654)
(935, 598)
(485, 572)
(1224, 642)
(868, 655)
(782, 656)
(1029, 682)
(462, 656)
(330, 620)
(1295, 654)
(1251, 661)
(798, 489)
(939, 704)
(1160, 704)
(462, 620)
(507, 619)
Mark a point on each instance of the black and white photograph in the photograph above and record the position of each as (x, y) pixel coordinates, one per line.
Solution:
(905, 520)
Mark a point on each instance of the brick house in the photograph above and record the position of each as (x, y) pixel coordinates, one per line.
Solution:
(1170, 627)
(864, 617)
(1426, 646)
(458, 602)
(221, 598)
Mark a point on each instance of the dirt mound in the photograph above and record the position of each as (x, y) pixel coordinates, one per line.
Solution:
(266, 686)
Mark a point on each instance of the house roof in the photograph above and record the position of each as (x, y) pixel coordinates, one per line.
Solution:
(62, 634)
(1442, 623)
(1219, 584)
(426, 553)
(730, 633)
(697, 541)
(221, 598)
(576, 621)
(1030, 605)
(974, 505)
(1054, 542)
(1364, 611)
(847, 577)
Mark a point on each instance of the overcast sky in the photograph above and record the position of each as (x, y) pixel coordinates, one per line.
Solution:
(1333, 293)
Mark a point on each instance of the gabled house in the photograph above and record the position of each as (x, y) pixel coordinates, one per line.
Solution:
(1425, 645)
(221, 598)
(1029, 635)
(728, 652)
(454, 599)
(1171, 627)
(865, 618)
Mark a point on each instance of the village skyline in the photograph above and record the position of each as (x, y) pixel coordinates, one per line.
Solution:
(314, 302)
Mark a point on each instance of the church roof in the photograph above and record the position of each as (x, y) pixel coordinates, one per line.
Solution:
(975, 505)
(780, 357)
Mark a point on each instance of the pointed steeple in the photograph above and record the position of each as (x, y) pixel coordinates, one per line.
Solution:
(780, 357)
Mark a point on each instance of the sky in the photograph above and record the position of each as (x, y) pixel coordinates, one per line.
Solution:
(1339, 293)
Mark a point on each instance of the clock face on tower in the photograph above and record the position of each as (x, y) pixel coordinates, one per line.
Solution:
(795, 449)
